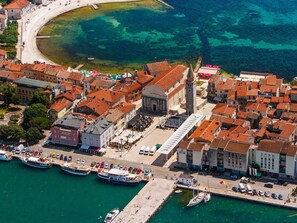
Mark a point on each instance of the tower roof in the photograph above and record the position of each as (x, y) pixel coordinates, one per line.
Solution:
(191, 74)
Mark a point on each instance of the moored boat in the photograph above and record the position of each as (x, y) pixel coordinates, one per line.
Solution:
(75, 169)
(196, 199)
(5, 156)
(207, 197)
(111, 215)
(178, 191)
(119, 177)
(38, 162)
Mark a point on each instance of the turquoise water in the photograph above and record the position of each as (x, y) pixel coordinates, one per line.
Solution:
(29, 195)
(255, 35)
(220, 209)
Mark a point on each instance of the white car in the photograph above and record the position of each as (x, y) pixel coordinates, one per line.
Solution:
(83, 162)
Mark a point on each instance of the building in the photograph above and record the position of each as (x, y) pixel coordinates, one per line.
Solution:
(277, 157)
(93, 107)
(97, 134)
(67, 130)
(156, 68)
(40, 2)
(185, 179)
(211, 87)
(3, 21)
(59, 108)
(191, 105)
(165, 92)
(17, 8)
(3, 53)
(112, 98)
(26, 87)
(206, 131)
(224, 110)
(207, 72)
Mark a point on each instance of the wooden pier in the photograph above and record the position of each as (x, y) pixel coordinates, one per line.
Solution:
(95, 6)
(146, 203)
(78, 67)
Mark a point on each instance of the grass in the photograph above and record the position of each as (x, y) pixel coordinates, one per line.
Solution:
(199, 83)
(227, 74)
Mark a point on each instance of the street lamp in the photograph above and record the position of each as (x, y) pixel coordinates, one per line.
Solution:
(121, 147)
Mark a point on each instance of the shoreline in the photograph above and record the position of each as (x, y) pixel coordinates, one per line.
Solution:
(31, 23)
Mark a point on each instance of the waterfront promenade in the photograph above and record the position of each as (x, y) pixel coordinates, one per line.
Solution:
(32, 22)
(145, 204)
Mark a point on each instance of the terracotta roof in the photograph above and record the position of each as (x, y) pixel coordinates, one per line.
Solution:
(144, 79)
(96, 105)
(287, 131)
(77, 76)
(237, 147)
(261, 132)
(275, 99)
(226, 134)
(101, 83)
(58, 105)
(227, 120)
(242, 114)
(184, 144)
(63, 74)
(77, 90)
(106, 95)
(17, 4)
(256, 107)
(114, 115)
(264, 121)
(293, 107)
(52, 70)
(223, 109)
(158, 67)
(66, 95)
(67, 85)
(3, 52)
(126, 107)
(206, 131)
(131, 88)
(271, 80)
(219, 143)
(176, 90)
(271, 112)
(13, 66)
(283, 106)
(239, 129)
(227, 85)
(214, 78)
(168, 78)
(277, 146)
(268, 88)
(39, 67)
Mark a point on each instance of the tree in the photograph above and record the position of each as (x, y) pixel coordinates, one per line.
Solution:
(8, 92)
(33, 135)
(12, 132)
(41, 97)
(40, 123)
(33, 111)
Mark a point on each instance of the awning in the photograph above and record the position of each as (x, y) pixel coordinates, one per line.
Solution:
(85, 146)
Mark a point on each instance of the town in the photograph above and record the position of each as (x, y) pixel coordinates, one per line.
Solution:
(189, 126)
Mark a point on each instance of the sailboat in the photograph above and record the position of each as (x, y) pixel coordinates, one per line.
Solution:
(207, 195)
(196, 199)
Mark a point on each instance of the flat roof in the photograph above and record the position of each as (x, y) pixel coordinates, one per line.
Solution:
(179, 134)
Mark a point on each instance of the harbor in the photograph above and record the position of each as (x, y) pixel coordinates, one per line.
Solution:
(145, 204)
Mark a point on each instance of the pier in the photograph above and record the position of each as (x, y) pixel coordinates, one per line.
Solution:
(146, 203)
(78, 67)
(95, 6)
(43, 37)
(166, 4)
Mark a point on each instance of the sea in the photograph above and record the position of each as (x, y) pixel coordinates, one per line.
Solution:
(251, 35)
(29, 195)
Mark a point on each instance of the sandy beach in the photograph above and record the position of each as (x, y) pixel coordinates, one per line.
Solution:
(32, 22)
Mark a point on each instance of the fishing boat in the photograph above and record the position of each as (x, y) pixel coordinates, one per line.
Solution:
(111, 215)
(91, 58)
(5, 156)
(75, 169)
(196, 199)
(41, 162)
(117, 176)
(178, 191)
(207, 197)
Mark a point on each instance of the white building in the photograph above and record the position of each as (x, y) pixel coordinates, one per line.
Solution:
(17, 8)
(97, 134)
(278, 157)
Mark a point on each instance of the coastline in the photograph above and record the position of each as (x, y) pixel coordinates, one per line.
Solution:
(31, 23)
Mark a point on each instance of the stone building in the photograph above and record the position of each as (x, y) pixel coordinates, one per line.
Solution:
(191, 106)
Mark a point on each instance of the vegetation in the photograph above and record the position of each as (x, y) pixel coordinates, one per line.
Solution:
(5, 2)
(1, 116)
(12, 132)
(40, 97)
(33, 111)
(9, 39)
(14, 118)
(40, 123)
(294, 191)
(9, 93)
(33, 135)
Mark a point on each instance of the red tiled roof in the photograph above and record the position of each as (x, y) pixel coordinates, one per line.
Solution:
(214, 78)
(169, 78)
(268, 88)
(223, 109)
(3, 52)
(106, 95)
(13, 67)
(126, 107)
(158, 67)
(17, 4)
(96, 105)
(145, 79)
(58, 105)
(67, 95)
(179, 88)
(77, 76)
(206, 130)
(256, 107)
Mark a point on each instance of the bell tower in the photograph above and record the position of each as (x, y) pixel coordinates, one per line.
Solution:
(191, 105)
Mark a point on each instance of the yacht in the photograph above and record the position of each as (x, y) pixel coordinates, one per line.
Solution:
(119, 177)
(196, 199)
(38, 162)
(178, 191)
(207, 197)
(75, 169)
(111, 215)
(5, 156)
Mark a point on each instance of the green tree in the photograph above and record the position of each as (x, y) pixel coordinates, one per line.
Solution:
(14, 118)
(33, 111)
(12, 132)
(41, 97)
(40, 123)
(8, 92)
(33, 135)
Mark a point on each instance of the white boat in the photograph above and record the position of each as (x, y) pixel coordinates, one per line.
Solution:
(178, 191)
(91, 58)
(75, 169)
(196, 199)
(41, 162)
(5, 156)
(119, 177)
(207, 197)
(111, 215)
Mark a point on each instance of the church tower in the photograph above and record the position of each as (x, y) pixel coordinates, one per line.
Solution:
(191, 105)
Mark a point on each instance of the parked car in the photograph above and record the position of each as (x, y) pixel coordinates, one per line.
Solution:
(65, 158)
(267, 194)
(138, 171)
(130, 169)
(93, 164)
(106, 165)
(83, 162)
(280, 197)
(268, 185)
(255, 192)
(244, 180)
(97, 165)
(274, 196)
(69, 158)
(235, 189)
(111, 165)
(261, 193)
(61, 157)
(102, 165)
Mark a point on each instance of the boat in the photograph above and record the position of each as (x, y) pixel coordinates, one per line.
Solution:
(117, 176)
(196, 199)
(4, 156)
(207, 197)
(111, 215)
(178, 191)
(38, 162)
(91, 58)
(75, 169)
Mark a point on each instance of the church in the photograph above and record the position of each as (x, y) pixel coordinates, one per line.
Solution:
(168, 90)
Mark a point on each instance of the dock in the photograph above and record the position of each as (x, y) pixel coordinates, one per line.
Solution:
(95, 6)
(43, 37)
(165, 3)
(78, 67)
(147, 202)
